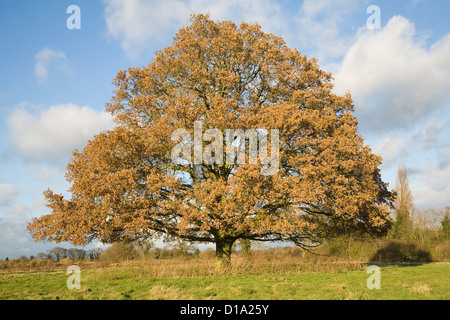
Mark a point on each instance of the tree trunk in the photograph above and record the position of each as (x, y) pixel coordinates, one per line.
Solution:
(223, 254)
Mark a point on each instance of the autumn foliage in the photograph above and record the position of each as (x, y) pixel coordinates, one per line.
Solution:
(125, 187)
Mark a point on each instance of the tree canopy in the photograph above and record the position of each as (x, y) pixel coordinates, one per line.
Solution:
(125, 186)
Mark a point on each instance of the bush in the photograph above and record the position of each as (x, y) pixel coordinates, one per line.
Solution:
(66, 261)
(357, 248)
(119, 252)
(208, 253)
(397, 251)
(441, 251)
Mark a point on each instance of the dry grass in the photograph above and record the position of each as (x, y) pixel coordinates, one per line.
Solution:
(338, 287)
(342, 254)
(420, 288)
(258, 264)
(43, 266)
(163, 292)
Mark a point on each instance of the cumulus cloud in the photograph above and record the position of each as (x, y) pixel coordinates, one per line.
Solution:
(55, 132)
(399, 145)
(46, 58)
(320, 26)
(426, 152)
(392, 148)
(7, 194)
(15, 241)
(12, 235)
(444, 158)
(18, 210)
(137, 23)
(268, 14)
(393, 78)
(432, 189)
(401, 90)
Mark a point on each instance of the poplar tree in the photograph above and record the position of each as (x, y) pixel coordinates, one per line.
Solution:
(403, 205)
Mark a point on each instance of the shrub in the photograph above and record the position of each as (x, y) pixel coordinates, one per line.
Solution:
(397, 251)
(441, 251)
(208, 253)
(66, 261)
(119, 252)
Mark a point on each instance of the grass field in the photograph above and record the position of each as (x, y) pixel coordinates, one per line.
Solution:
(144, 281)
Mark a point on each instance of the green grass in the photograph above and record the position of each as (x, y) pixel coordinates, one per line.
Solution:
(406, 282)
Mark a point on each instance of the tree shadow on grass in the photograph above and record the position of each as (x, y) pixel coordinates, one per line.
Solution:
(398, 252)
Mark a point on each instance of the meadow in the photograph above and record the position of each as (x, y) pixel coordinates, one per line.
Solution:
(260, 277)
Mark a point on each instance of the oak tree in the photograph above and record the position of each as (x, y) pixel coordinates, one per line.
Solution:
(125, 186)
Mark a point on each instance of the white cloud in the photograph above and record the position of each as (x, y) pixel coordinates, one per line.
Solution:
(444, 160)
(39, 202)
(401, 90)
(320, 27)
(12, 235)
(137, 23)
(44, 59)
(48, 173)
(392, 148)
(7, 194)
(18, 210)
(393, 78)
(316, 28)
(54, 133)
(15, 240)
(433, 189)
(425, 151)
(404, 145)
(267, 13)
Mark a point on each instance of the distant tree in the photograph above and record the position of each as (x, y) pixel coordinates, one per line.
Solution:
(445, 223)
(41, 256)
(94, 253)
(183, 245)
(423, 226)
(57, 253)
(119, 252)
(75, 253)
(403, 205)
(144, 247)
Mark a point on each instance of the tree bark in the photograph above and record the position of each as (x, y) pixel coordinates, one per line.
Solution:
(223, 254)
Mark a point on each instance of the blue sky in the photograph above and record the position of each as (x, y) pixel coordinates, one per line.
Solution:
(56, 81)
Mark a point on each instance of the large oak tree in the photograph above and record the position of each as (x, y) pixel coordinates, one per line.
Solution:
(125, 186)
